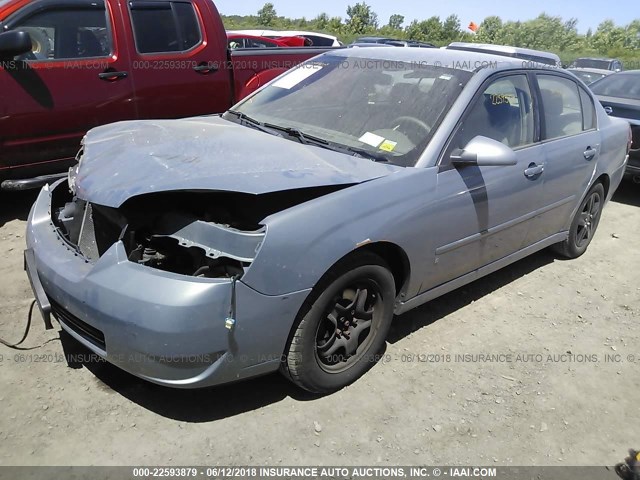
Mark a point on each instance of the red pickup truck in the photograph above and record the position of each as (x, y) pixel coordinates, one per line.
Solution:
(69, 65)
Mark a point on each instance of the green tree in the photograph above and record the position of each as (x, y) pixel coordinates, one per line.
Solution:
(335, 25)
(395, 22)
(321, 22)
(632, 35)
(429, 30)
(413, 32)
(571, 40)
(267, 15)
(451, 29)
(490, 30)
(608, 37)
(361, 18)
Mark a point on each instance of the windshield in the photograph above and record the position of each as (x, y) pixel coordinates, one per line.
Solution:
(383, 110)
(618, 85)
(592, 63)
(588, 77)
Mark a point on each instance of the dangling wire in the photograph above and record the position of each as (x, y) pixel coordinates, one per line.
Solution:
(16, 346)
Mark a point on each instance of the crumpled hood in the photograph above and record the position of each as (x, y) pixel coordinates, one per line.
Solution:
(126, 159)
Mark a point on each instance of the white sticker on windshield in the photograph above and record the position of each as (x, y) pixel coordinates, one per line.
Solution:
(296, 76)
(446, 77)
(371, 139)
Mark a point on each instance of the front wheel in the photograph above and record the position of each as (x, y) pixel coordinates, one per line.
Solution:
(584, 224)
(343, 326)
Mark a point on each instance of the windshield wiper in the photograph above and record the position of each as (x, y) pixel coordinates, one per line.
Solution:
(361, 152)
(307, 139)
(298, 135)
(252, 122)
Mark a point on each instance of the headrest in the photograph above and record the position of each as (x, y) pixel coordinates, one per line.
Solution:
(552, 102)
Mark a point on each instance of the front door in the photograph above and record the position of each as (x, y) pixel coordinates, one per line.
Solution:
(75, 78)
(486, 212)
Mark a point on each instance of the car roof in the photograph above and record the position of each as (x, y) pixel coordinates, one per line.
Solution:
(457, 59)
(506, 50)
(369, 45)
(374, 39)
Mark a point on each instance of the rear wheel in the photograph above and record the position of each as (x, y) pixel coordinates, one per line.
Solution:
(343, 326)
(584, 224)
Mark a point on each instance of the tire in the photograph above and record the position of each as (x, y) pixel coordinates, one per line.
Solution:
(584, 224)
(320, 357)
(41, 43)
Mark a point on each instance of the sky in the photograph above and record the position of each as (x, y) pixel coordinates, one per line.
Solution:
(588, 12)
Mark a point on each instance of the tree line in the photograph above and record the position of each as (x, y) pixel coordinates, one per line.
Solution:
(545, 32)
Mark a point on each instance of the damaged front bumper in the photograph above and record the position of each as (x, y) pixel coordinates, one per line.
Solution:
(165, 327)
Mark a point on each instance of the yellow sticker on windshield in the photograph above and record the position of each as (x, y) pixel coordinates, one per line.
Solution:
(388, 146)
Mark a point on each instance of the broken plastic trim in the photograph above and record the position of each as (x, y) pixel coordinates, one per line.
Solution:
(229, 242)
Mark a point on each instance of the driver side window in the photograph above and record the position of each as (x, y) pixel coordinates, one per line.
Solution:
(503, 112)
(56, 33)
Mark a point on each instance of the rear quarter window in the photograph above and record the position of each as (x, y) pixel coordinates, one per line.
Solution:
(588, 111)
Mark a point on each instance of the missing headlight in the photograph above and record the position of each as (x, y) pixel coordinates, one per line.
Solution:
(180, 243)
(167, 254)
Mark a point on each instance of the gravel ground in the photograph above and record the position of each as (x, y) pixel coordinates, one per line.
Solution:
(434, 400)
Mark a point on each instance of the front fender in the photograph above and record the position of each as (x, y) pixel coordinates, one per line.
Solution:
(303, 242)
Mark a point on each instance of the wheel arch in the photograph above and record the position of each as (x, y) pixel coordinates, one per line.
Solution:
(395, 257)
(392, 254)
(605, 181)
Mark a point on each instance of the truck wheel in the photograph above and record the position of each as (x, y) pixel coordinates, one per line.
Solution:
(343, 325)
(41, 43)
(584, 224)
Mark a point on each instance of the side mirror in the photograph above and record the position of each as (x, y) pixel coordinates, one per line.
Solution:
(484, 152)
(14, 43)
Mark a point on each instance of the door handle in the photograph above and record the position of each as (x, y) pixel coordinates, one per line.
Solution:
(589, 153)
(110, 75)
(533, 170)
(205, 68)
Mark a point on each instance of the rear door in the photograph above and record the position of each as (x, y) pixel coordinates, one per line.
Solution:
(571, 146)
(75, 78)
(179, 58)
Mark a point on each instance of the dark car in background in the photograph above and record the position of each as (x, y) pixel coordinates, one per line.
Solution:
(611, 64)
(619, 94)
(589, 75)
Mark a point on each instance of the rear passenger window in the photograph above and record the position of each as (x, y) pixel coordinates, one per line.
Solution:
(588, 111)
(164, 26)
(562, 106)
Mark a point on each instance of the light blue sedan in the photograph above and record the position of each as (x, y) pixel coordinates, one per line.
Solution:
(286, 234)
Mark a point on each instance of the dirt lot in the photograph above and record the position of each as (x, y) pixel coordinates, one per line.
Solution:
(535, 404)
